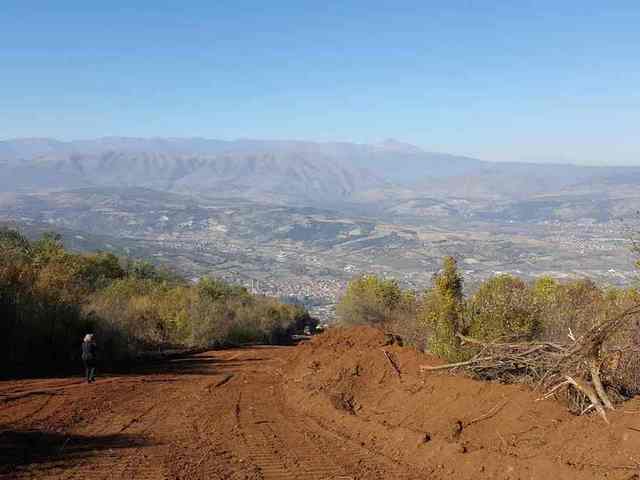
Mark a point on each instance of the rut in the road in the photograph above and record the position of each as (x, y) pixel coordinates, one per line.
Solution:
(264, 413)
(287, 445)
(229, 421)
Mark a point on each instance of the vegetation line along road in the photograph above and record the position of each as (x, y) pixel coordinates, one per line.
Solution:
(51, 297)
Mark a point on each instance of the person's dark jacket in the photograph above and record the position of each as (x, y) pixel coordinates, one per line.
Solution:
(88, 351)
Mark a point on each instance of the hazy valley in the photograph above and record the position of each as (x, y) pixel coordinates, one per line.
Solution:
(300, 219)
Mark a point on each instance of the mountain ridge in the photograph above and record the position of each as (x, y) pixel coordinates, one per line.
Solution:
(288, 171)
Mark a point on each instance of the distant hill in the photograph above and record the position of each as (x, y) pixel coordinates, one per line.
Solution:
(278, 175)
(295, 172)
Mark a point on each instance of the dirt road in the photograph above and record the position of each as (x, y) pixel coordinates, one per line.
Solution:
(217, 415)
(346, 405)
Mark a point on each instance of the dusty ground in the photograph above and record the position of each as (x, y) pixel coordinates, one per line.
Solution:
(335, 408)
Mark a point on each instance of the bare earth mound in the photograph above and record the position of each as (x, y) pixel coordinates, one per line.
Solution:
(346, 405)
(353, 380)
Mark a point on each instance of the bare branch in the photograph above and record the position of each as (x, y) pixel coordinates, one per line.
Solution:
(591, 394)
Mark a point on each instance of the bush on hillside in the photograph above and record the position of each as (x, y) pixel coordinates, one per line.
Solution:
(50, 298)
(369, 300)
(571, 309)
(39, 291)
(441, 312)
(503, 307)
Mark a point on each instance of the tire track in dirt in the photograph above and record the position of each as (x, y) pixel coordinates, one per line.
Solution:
(352, 455)
(229, 421)
(286, 444)
(256, 413)
(279, 454)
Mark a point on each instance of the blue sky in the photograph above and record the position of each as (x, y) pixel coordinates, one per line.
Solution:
(499, 80)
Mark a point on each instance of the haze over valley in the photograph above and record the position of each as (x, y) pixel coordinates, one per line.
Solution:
(299, 219)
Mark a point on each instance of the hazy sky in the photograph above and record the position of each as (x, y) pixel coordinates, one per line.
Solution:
(502, 80)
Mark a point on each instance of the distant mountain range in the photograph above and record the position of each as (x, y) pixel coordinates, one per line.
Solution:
(304, 217)
(294, 172)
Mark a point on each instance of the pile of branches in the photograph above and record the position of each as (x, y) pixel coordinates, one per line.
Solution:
(572, 369)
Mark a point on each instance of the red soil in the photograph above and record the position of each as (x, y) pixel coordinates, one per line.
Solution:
(337, 407)
(451, 425)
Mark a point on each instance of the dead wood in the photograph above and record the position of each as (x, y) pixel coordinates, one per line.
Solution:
(490, 414)
(597, 384)
(591, 395)
(392, 362)
(572, 368)
(454, 365)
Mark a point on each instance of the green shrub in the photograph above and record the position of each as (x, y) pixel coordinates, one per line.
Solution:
(441, 316)
(503, 306)
(569, 308)
(50, 298)
(441, 312)
(369, 300)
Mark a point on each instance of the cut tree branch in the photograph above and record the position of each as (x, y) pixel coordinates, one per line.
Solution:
(597, 383)
(591, 395)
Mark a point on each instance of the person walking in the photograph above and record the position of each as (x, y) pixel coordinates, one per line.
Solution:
(89, 357)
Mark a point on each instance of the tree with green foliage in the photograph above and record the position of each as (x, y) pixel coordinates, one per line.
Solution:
(572, 309)
(218, 290)
(101, 268)
(448, 281)
(503, 306)
(13, 244)
(369, 300)
(545, 290)
(442, 309)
